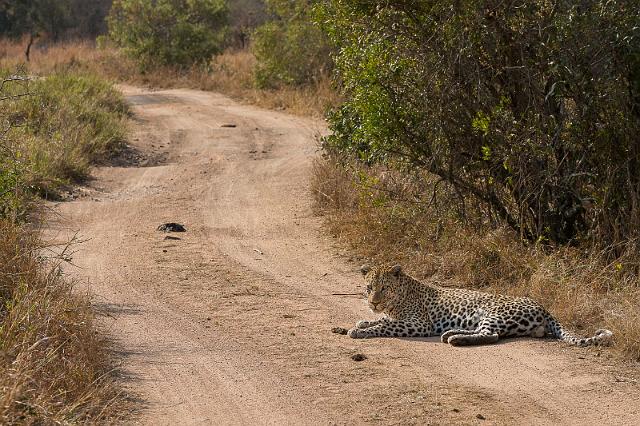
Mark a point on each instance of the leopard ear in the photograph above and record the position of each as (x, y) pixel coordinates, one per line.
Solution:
(396, 270)
(365, 269)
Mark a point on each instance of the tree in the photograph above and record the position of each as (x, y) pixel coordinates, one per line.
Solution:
(169, 32)
(529, 110)
(244, 17)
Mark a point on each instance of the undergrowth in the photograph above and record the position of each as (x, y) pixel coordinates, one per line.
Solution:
(387, 216)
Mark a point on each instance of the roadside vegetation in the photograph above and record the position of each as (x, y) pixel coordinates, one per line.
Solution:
(493, 146)
(54, 365)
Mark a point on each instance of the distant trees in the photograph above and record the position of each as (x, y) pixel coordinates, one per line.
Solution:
(55, 19)
(169, 32)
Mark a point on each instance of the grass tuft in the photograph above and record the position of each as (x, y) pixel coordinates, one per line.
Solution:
(66, 122)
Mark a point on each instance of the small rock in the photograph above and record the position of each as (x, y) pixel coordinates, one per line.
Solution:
(358, 357)
(480, 417)
(229, 125)
(339, 330)
(455, 410)
(164, 251)
(171, 227)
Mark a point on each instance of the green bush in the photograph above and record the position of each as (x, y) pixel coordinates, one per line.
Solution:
(169, 32)
(291, 49)
(65, 123)
(529, 110)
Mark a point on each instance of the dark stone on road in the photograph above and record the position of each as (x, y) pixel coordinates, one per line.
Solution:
(171, 227)
(358, 357)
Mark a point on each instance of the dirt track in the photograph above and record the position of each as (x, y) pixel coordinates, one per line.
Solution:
(231, 323)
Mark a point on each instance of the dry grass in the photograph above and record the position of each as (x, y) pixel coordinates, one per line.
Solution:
(230, 73)
(54, 367)
(386, 216)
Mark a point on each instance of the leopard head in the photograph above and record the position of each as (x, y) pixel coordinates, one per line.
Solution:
(383, 286)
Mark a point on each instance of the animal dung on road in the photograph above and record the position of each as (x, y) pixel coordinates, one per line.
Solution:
(171, 227)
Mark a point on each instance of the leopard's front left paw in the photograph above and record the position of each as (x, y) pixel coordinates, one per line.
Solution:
(363, 324)
(356, 333)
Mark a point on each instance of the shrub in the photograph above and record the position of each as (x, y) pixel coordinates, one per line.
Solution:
(169, 32)
(291, 49)
(528, 110)
(66, 122)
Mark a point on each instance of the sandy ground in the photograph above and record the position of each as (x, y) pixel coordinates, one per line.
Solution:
(231, 323)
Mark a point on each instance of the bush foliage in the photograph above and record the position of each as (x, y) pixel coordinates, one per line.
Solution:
(290, 49)
(169, 32)
(530, 111)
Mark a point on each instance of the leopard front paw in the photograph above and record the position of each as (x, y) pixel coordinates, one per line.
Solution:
(356, 333)
(363, 324)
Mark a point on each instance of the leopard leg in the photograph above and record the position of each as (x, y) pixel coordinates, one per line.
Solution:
(445, 336)
(367, 324)
(480, 336)
(391, 328)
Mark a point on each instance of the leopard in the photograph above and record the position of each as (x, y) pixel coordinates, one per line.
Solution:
(461, 317)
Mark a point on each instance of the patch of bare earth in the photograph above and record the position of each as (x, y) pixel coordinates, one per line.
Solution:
(231, 323)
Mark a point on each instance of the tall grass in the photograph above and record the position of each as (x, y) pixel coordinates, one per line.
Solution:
(54, 364)
(54, 367)
(387, 216)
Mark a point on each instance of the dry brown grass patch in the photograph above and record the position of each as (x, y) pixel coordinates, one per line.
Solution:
(384, 216)
(54, 367)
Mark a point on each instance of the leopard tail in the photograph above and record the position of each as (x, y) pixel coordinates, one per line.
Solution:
(601, 337)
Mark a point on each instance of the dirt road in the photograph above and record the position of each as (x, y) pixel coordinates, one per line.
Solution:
(231, 323)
